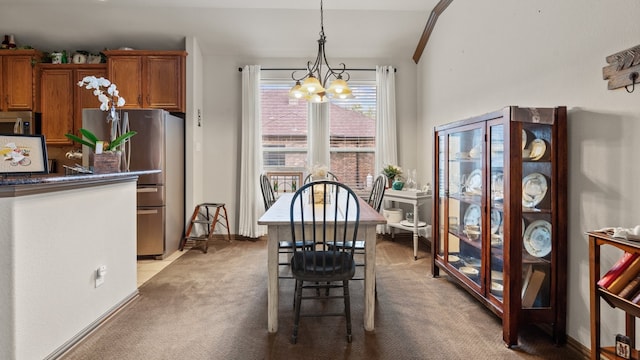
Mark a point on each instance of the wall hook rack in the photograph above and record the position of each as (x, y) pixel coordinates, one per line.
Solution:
(623, 69)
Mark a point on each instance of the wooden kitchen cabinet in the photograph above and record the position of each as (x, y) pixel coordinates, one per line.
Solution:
(149, 79)
(17, 79)
(500, 214)
(62, 100)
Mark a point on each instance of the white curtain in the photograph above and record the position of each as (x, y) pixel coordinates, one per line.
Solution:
(251, 206)
(318, 134)
(386, 143)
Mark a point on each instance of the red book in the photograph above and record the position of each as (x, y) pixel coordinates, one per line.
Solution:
(618, 268)
(625, 277)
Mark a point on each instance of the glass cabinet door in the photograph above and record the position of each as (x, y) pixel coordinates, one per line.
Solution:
(496, 209)
(537, 234)
(465, 154)
(441, 193)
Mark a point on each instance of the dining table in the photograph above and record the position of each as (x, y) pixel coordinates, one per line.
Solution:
(278, 221)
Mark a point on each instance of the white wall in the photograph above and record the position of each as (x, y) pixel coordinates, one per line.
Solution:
(484, 55)
(223, 114)
(194, 158)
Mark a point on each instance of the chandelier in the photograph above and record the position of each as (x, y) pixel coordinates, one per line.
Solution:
(312, 86)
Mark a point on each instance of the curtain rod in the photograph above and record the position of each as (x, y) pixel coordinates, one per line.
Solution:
(292, 69)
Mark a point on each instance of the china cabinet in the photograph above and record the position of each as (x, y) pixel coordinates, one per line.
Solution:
(62, 100)
(149, 79)
(500, 214)
(17, 75)
(631, 309)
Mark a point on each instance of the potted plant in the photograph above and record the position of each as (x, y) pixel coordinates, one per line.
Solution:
(106, 156)
(391, 171)
(92, 140)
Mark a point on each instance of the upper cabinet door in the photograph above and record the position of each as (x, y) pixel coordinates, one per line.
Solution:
(126, 73)
(163, 85)
(85, 99)
(18, 82)
(57, 86)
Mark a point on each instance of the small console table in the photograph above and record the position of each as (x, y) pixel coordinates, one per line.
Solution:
(416, 198)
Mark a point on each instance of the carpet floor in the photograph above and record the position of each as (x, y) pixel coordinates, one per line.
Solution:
(213, 306)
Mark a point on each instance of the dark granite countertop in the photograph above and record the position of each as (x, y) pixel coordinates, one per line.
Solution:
(11, 186)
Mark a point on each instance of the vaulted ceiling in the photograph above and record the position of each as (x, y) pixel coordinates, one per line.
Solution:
(247, 28)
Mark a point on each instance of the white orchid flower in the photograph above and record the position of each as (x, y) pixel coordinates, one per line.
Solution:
(100, 85)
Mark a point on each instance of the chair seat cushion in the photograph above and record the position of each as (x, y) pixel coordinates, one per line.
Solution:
(322, 266)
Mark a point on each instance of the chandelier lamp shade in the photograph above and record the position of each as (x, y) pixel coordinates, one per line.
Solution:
(312, 85)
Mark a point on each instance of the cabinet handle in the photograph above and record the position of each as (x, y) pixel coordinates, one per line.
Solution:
(148, 100)
(146, 212)
(140, 100)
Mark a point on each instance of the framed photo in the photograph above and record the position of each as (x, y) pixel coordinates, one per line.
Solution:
(23, 154)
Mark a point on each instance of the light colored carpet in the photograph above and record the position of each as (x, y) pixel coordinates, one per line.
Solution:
(213, 306)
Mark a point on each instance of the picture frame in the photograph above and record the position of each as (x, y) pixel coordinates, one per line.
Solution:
(23, 155)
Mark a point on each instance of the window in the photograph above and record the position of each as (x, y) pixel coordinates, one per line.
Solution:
(352, 131)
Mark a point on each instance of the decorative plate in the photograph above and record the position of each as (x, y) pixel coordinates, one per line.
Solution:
(496, 240)
(524, 139)
(496, 276)
(497, 186)
(476, 152)
(472, 215)
(496, 220)
(534, 189)
(469, 271)
(453, 259)
(538, 149)
(496, 288)
(537, 238)
(474, 182)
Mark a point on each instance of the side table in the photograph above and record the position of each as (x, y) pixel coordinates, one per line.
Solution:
(416, 198)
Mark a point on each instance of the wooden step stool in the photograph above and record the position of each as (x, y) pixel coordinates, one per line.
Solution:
(204, 214)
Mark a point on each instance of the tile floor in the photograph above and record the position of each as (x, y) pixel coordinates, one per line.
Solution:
(148, 268)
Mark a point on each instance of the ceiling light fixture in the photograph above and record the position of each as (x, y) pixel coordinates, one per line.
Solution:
(313, 85)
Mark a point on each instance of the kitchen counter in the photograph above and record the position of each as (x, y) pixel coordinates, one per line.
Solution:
(11, 186)
(58, 231)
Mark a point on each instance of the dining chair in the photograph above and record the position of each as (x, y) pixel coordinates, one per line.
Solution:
(330, 176)
(322, 214)
(269, 198)
(375, 201)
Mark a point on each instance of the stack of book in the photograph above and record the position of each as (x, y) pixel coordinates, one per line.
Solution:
(623, 279)
(531, 286)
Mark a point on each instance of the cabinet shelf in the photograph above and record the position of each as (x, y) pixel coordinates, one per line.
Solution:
(631, 310)
(510, 260)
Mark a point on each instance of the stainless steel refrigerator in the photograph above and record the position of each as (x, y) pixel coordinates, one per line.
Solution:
(158, 144)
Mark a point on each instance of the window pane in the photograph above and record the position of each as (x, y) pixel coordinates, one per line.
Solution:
(353, 131)
(284, 127)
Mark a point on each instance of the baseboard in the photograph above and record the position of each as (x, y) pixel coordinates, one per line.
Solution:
(92, 327)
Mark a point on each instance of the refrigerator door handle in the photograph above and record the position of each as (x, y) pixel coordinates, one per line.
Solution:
(146, 212)
(147, 190)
